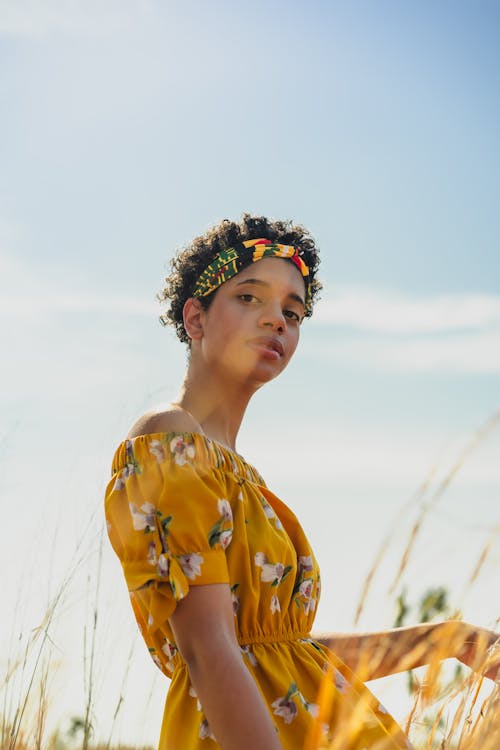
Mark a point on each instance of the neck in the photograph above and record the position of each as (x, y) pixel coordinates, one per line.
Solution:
(217, 405)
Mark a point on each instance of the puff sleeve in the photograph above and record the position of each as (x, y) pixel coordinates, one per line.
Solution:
(168, 520)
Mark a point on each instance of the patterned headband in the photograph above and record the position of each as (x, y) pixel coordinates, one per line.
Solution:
(229, 262)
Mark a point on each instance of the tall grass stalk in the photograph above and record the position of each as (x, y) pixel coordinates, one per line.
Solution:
(463, 716)
(417, 499)
(29, 667)
(89, 670)
(121, 697)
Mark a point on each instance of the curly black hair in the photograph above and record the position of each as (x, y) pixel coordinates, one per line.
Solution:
(192, 260)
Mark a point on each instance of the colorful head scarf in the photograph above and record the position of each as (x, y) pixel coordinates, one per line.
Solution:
(229, 262)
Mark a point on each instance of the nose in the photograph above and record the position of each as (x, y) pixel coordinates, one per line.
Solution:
(273, 317)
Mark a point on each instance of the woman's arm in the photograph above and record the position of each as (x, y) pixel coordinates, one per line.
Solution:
(203, 626)
(374, 655)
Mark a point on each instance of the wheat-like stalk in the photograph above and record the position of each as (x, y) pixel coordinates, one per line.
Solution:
(462, 715)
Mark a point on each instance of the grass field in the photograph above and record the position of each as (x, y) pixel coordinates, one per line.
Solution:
(449, 710)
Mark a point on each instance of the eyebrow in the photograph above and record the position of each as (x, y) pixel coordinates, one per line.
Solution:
(260, 282)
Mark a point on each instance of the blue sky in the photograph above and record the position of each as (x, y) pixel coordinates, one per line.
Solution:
(129, 127)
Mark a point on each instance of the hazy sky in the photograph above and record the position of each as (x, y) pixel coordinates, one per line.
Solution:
(129, 127)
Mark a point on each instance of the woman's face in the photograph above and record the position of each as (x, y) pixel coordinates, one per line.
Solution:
(251, 329)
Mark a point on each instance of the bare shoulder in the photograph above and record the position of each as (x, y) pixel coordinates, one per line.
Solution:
(171, 419)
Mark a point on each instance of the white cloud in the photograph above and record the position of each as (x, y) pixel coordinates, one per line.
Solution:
(36, 304)
(447, 333)
(389, 312)
(453, 333)
(471, 353)
(27, 292)
(35, 18)
(367, 456)
(474, 353)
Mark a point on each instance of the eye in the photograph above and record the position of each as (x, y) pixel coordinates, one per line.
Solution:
(247, 297)
(292, 315)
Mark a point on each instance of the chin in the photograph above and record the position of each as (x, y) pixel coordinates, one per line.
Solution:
(261, 375)
(253, 371)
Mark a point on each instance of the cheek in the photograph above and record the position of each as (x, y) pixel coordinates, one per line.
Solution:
(294, 340)
(223, 330)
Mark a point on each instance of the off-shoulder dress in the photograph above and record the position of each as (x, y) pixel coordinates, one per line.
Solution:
(183, 510)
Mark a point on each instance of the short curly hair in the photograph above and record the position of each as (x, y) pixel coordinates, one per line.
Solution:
(192, 260)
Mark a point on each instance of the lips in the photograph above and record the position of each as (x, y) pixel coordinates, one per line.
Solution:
(271, 343)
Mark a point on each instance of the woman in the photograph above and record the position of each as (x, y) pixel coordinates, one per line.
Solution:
(222, 579)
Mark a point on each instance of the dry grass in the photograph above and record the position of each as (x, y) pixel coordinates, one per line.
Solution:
(419, 499)
(56, 743)
(444, 714)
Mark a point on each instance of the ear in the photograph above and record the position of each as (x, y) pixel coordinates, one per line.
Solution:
(192, 314)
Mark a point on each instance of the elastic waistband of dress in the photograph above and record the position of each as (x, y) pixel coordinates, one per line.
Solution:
(280, 637)
(288, 638)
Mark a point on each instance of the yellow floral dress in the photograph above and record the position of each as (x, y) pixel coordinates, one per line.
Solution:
(182, 510)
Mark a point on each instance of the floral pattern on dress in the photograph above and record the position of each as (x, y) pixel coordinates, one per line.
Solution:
(157, 449)
(218, 535)
(340, 682)
(191, 564)
(149, 519)
(182, 450)
(275, 605)
(132, 466)
(235, 599)
(192, 692)
(170, 650)
(174, 504)
(270, 513)
(143, 518)
(305, 585)
(287, 708)
(156, 659)
(247, 651)
(204, 731)
(273, 573)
